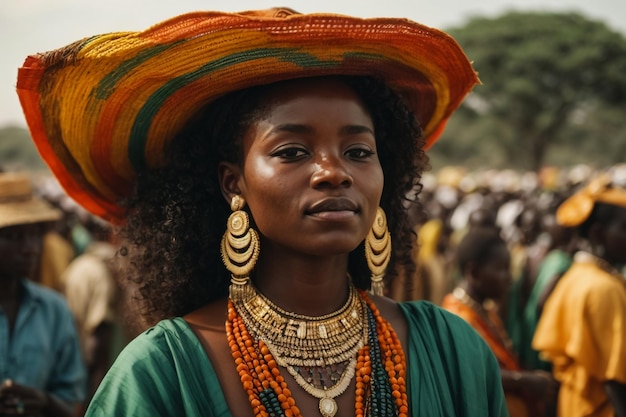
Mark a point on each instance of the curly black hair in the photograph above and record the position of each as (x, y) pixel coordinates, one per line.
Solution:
(177, 214)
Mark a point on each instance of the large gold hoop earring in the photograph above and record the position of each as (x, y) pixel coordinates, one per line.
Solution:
(240, 246)
(378, 251)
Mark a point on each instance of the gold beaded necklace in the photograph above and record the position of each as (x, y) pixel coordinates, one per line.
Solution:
(380, 371)
(462, 295)
(319, 352)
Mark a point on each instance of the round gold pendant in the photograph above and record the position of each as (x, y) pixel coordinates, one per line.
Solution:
(328, 407)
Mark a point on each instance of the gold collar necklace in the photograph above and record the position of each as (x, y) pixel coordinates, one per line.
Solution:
(319, 352)
(304, 340)
(379, 373)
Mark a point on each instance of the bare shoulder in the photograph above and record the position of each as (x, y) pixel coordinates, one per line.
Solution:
(210, 317)
(209, 325)
(391, 312)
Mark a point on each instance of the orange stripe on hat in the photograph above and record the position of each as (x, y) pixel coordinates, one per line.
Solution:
(105, 107)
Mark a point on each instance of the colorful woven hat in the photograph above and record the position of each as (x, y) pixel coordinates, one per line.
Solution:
(19, 206)
(576, 209)
(103, 108)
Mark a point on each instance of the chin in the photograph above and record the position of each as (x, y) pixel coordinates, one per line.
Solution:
(334, 247)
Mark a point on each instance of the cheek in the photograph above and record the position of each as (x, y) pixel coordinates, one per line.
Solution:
(267, 193)
(258, 168)
(374, 183)
(269, 188)
(259, 175)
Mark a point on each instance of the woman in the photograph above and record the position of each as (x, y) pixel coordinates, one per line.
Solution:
(252, 152)
(484, 261)
(581, 330)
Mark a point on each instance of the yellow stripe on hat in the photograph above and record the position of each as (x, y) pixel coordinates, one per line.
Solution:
(105, 107)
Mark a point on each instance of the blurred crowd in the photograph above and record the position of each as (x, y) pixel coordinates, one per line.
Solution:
(459, 214)
(489, 248)
(522, 206)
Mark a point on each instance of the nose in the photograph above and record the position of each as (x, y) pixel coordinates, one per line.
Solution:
(331, 171)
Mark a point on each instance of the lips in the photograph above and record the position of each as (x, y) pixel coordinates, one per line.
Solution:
(333, 204)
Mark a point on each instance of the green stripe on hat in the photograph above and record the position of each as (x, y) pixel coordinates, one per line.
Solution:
(107, 85)
(143, 121)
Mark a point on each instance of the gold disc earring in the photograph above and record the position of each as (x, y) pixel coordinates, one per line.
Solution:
(378, 251)
(240, 246)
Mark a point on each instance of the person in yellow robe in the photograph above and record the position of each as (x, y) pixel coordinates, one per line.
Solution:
(582, 329)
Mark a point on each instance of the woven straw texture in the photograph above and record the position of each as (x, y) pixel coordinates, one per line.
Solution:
(18, 205)
(103, 108)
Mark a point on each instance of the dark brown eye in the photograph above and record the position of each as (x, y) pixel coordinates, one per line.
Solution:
(290, 153)
(359, 153)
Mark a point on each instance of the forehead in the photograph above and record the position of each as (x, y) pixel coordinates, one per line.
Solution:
(320, 88)
(312, 104)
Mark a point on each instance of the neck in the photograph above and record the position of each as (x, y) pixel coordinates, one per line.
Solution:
(311, 286)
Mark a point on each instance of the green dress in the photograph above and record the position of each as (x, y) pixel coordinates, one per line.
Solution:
(166, 372)
(522, 319)
(554, 264)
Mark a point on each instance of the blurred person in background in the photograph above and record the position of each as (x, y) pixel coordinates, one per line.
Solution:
(484, 260)
(41, 372)
(92, 293)
(560, 250)
(483, 217)
(408, 285)
(526, 253)
(582, 328)
(433, 260)
(430, 278)
(56, 254)
(57, 250)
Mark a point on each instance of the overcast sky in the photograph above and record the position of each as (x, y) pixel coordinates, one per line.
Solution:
(31, 26)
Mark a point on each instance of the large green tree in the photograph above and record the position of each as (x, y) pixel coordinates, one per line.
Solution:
(549, 82)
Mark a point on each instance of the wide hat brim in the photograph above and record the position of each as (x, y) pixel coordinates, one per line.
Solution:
(575, 210)
(104, 108)
(30, 211)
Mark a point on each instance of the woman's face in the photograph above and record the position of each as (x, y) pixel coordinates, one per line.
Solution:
(493, 277)
(311, 175)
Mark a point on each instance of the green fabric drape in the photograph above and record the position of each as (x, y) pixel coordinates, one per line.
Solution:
(165, 372)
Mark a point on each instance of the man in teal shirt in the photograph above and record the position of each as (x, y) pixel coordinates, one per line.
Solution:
(41, 370)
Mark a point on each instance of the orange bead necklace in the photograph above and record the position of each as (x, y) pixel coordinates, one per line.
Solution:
(380, 363)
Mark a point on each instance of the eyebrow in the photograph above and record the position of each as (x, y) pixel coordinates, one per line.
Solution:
(298, 128)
